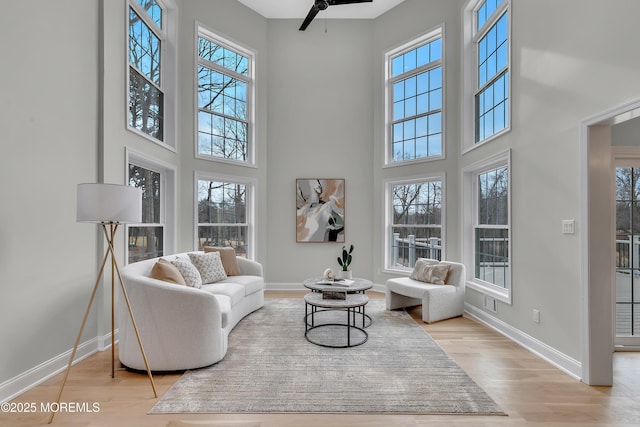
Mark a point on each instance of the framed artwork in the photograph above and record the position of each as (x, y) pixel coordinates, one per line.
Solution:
(319, 210)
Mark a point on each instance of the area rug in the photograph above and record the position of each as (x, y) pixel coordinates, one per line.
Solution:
(271, 368)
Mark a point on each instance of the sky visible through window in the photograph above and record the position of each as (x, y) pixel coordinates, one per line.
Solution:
(492, 98)
(223, 80)
(417, 102)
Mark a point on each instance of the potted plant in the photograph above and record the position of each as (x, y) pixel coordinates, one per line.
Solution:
(345, 261)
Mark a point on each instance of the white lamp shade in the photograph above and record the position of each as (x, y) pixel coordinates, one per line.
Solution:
(109, 203)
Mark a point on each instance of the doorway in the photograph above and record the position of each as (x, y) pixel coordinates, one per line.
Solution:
(627, 243)
(599, 263)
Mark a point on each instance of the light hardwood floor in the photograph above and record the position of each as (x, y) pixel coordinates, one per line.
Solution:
(530, 391)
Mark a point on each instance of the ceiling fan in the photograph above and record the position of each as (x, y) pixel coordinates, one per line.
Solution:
(319, 5)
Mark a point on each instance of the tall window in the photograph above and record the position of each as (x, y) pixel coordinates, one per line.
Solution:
(492, 54)
(147, 239)
(414, 221)
(151, 71)
(492, 227)
(487, 220)
(155, 236)
(415, 99)
(225, 216)
(225, 86)
(146, 97)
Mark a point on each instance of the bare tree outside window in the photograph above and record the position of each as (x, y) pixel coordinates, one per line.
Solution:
(416, 101)
(627, 276)
(147, 239)
(222, 215)
(146, 97)
(223, 82)
(417, 223)
(491, 231)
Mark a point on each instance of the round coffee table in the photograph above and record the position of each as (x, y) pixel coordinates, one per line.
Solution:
(352, 286)
(314, 301)
(356, 285)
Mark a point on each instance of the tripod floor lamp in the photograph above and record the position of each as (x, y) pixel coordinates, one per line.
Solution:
(109, 205)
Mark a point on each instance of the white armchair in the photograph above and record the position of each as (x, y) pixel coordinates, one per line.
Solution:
(438, 301)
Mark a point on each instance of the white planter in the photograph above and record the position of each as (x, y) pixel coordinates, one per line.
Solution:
(344, 274)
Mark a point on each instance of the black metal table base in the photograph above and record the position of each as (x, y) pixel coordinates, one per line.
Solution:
(359, 311)
(350, 325)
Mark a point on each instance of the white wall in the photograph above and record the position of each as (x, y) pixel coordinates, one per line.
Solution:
(222, 17)
(626, 133)
(320, 115)
(402, 24)
(48, 133)
(63, 113)
(565, 69)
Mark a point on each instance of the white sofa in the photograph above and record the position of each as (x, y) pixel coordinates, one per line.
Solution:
(184, 327)
(438, 301)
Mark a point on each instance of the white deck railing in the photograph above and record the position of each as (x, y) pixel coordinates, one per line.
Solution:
(407, 250)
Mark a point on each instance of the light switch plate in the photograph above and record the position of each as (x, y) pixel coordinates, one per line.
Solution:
(536, 315)
(568, 226)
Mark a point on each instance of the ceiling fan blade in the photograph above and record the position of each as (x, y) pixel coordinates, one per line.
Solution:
(312, 14)
(339, 2)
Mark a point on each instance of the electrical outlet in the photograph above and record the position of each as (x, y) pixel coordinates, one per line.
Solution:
(490, 304)
(536, 315)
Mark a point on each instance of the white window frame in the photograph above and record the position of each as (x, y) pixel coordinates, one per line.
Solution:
(251, 185)
(167, 197)
(168, 65)
(471, 37)
(469, 216)
(250, 80)
(388, 217)
(433, 34)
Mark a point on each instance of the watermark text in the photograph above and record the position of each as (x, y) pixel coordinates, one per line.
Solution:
(66, 407)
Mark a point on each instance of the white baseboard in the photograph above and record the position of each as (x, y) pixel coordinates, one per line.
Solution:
(558, 359)
(104, 342)
(280, 286)
(19, 384)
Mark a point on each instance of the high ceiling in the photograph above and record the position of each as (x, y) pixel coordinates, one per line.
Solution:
(298, 9)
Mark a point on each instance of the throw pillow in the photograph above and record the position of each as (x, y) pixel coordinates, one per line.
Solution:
(189, 272)
(167, 272)
(430, 273)
(209, 265)
(229, 260)
(420, 267)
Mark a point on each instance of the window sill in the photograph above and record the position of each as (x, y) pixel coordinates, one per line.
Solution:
(156, 141)
(397, 271)
(389, 164)
(468, 148)
(500, 294)
(227, 161)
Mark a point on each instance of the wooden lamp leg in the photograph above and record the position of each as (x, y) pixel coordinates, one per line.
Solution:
(114, 269)
(84, 321)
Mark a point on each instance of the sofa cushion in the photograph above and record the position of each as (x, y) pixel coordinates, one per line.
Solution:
(409, 287)
(209, 265)
(229, 260)
(167, 272)
(189, 272)
(252, 284)
(430, 273)
(232, 290)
